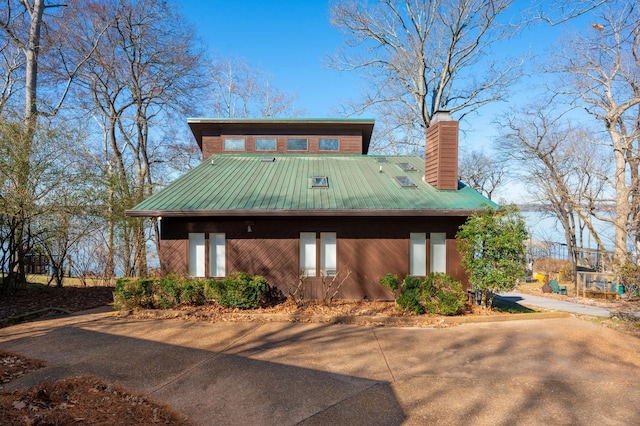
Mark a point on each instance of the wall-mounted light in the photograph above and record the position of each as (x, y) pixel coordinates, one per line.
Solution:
(250, 225)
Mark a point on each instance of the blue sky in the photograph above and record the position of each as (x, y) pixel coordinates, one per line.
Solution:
(288, 39)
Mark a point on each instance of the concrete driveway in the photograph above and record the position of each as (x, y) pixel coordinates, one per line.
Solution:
(553, 371)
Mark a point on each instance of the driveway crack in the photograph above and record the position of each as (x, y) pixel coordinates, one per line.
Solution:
(384, 356)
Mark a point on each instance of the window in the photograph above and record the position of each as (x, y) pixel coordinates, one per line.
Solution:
(328, 258)
(406, 167)
(405, 182)
(418, 254)
(329, 145)
(296, 144)
(438, 246)
(308, 253)
(234, 144)
(217, 258)
(320, 182)
(196, 255)
(266, 144)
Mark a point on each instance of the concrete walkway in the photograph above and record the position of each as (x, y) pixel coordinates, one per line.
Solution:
(554, 371)
(529, 300)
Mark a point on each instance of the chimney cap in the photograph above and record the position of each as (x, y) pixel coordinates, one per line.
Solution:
(441, 115)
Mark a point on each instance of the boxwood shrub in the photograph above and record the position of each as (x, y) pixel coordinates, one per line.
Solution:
(239, 290)
(437, 294)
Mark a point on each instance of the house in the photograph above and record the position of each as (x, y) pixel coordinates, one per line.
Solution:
(294, 199)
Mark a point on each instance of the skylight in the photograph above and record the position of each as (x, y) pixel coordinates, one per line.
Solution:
(320, 182)
(382, 159)
(405, 182)
(406, 167)
(268, 159)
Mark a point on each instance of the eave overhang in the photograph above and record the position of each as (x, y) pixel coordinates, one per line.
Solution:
(299, 213)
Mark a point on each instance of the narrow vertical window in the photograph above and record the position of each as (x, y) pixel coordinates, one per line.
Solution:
(438, 261)
(217, 258)
(196, 255)
(328, 253)
(308, 253)
(418, 254)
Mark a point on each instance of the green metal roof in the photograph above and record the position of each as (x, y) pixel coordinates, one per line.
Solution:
(235, 185)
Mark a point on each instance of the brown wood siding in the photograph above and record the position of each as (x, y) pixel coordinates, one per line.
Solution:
(441, 155)
(174, 255)
(367, 248)
(350, 142)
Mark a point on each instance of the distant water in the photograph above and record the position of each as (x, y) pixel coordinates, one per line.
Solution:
(544, 227)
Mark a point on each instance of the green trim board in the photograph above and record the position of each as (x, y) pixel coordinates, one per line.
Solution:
(244, 184)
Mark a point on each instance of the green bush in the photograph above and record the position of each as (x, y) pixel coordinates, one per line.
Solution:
(437, 294)
(411, 283)
(409, 300)
(442, 294)
(390, 281)
(133, 293)
(168, 291)
(239, 290)
(410, 295)
(192, 291)
(162, 293)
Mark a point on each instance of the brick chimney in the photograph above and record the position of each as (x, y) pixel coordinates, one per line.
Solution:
(441, 153)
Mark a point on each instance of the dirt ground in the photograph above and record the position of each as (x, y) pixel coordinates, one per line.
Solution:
(90, 400)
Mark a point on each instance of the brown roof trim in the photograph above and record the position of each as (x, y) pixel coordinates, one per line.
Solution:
(240, 213)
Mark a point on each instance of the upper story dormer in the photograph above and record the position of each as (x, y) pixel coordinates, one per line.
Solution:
(281, 136)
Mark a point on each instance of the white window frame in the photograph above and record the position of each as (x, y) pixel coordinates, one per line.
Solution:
(418, 254)
(308, 254)
(217, 255)
(196, 255)
(438, 252)
(328, 254)
(232, 142)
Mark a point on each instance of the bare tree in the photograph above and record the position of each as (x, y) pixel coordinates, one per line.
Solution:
(12, 63)
(483, 173)
(22, 23)
(560, 165)
(243, 91)
(146, 69)
(422, 56)
(600, 71)
(556, 12)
